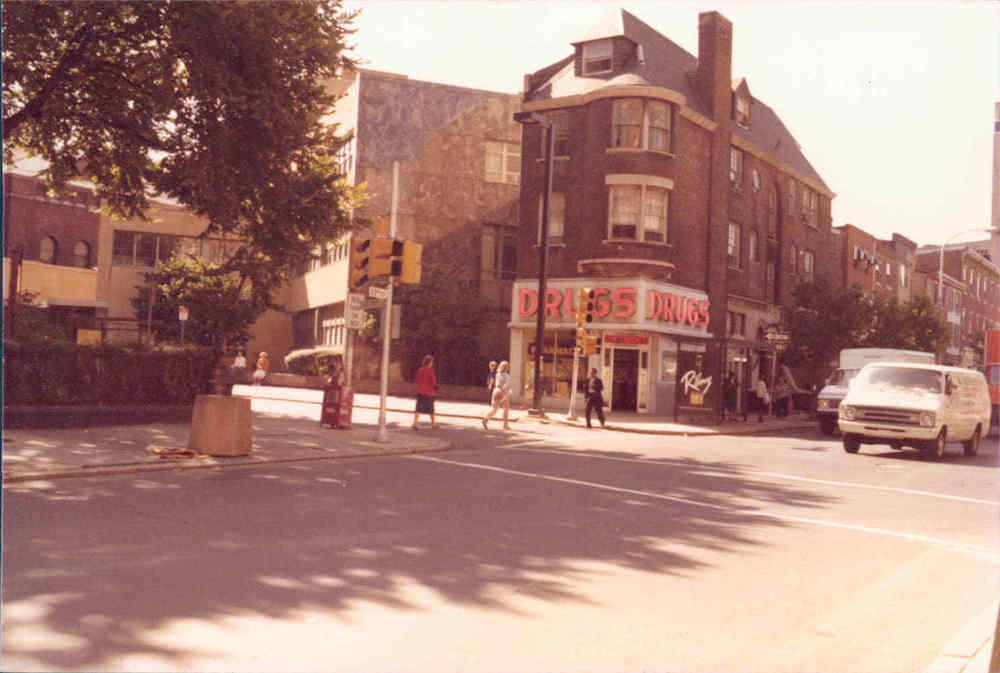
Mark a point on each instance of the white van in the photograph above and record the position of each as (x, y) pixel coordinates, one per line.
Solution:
(912, 405)
(850, 363)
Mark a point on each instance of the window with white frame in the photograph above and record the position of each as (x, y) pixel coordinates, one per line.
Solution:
(772, 215)
(638, 212)
(791, 196)
(794, 261)
(638, 123)
(755, 180)
(557, 216)
(597, 57)
(733, 245)
(735, 167)
(752, 252)
(808, 264)
(809, 206)
(503, 162)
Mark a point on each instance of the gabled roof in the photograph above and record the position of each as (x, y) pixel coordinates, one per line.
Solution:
(669, 66)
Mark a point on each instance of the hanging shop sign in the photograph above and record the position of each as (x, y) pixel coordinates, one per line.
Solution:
(694, 384)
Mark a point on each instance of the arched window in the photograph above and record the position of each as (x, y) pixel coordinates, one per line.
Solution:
(47, 250)
(81, 254)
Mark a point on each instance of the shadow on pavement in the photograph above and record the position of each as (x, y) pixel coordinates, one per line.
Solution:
(102, 564)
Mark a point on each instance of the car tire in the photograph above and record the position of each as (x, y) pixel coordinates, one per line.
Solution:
(827, 425)
(851, 443)
(934, 448)
(971, 447)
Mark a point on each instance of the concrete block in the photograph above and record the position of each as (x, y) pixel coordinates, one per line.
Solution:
(221, 426)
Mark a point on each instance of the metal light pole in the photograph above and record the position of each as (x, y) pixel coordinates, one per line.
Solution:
(535, 118)
(383, 435)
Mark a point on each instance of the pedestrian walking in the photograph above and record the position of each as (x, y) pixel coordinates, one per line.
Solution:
(426, 381)
(595, 397)
(491, 379)
(263, 366)
(782, 395)
(501, 396)
(729, 392)
(763, 399)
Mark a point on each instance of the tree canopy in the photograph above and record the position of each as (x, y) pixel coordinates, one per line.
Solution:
(217, 105)
(825, 319)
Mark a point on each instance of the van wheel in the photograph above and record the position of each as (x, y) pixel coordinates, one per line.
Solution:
(827, 425)
(851, 444)
(934, 448)
(971, 447)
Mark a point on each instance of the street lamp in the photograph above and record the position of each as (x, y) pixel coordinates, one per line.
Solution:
(536, 118)
(940, 289)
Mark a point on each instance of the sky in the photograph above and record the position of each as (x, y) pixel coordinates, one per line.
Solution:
(891, 102)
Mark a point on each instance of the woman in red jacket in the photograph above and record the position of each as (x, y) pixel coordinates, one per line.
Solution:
(426, 386)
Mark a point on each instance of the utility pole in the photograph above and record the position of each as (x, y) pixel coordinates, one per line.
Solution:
(382, 435)
(543, 248)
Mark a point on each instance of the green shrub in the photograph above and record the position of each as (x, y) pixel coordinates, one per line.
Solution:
(71, 374)
(314, 361)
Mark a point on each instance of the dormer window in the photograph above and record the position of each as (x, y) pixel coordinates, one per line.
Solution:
(743, 111)
(597, 57)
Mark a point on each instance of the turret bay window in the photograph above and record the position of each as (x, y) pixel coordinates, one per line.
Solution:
(638, 212)
(641, 124)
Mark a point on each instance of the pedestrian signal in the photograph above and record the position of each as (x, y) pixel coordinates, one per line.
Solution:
(590, 346)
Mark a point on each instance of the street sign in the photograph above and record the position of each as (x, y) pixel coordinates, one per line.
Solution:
(354, 313)
(182, 313)
(378, 292)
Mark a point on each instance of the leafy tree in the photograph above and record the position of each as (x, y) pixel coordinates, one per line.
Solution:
(202, 288)
(914, 325)
(442, 316)
(219, 105)
(823, 320)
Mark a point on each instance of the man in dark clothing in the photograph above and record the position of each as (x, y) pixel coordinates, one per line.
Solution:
(595, 397)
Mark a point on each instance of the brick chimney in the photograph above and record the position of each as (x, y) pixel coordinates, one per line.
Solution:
(715, 64)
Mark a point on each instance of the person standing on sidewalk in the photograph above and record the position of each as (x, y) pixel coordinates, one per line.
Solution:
(501, 396)
(782, 393)
(595, 397)
(263, 365)
(426, 381)
(491, 380)
(763, 399)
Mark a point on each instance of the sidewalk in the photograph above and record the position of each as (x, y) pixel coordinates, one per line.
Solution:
(306, 403)
(280, 435)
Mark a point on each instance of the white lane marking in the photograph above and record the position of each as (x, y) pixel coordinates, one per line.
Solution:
(779, 475)
(990, 553)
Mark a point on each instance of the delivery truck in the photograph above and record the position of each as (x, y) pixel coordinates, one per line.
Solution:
(850, 363)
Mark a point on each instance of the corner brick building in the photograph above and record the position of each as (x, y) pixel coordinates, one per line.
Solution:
(681, 199)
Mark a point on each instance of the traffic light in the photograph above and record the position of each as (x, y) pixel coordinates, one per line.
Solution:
(384, 252)
(585, 306)
(410, 269)
(360, 260)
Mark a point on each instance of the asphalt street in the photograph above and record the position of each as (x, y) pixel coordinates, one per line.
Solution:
(554, 549)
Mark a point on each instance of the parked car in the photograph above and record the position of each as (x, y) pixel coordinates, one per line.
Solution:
(916, 406)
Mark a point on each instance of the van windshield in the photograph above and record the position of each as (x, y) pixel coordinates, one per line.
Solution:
(842, 377)
(899, 377)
